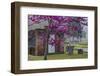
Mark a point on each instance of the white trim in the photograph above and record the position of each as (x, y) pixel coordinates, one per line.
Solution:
(25, 64)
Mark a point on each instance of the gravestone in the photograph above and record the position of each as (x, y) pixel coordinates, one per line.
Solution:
(70, 49)
(80, 51)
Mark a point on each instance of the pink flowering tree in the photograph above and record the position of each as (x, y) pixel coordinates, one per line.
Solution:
(60, 24)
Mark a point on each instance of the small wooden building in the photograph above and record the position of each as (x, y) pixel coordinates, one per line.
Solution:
(38, 42)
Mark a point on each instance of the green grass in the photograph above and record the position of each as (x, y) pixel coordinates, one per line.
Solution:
(75, 54)
(81, 45)
(60, 56)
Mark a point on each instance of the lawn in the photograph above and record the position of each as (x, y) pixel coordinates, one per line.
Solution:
(65, 55)
(60, 56)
